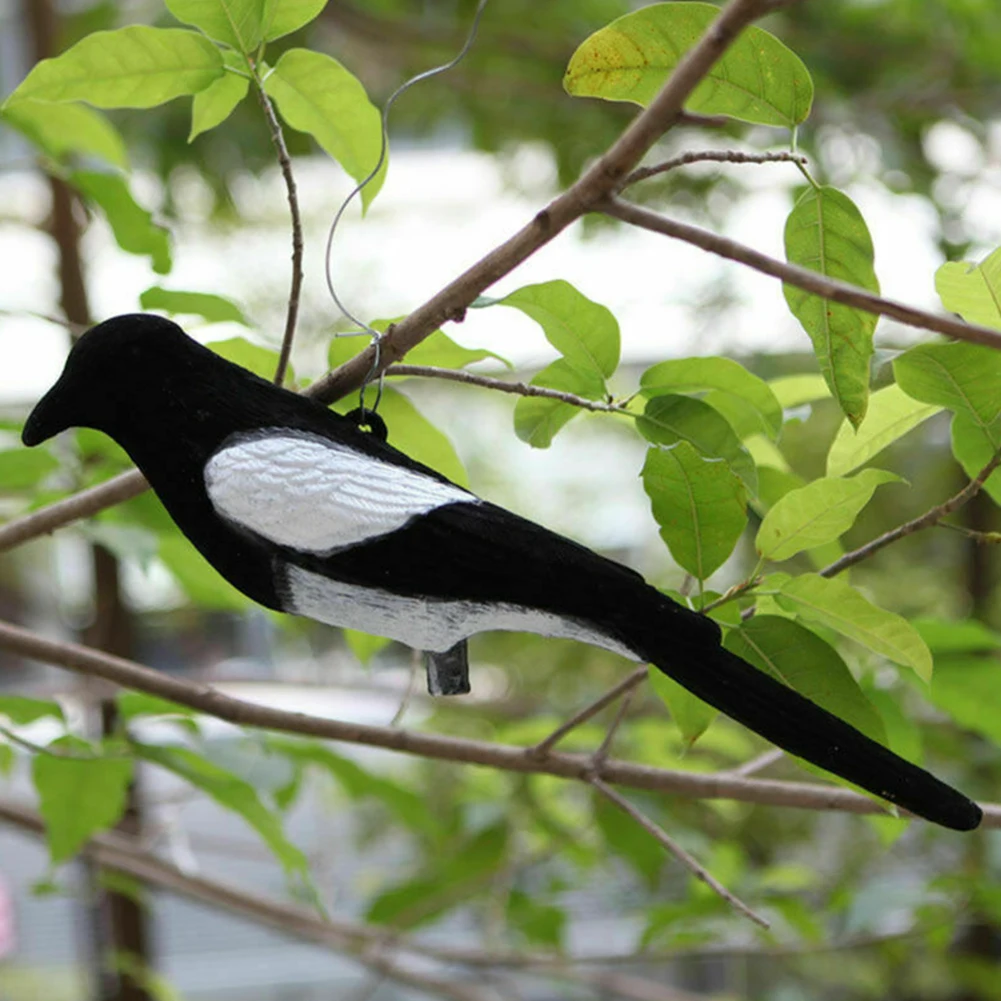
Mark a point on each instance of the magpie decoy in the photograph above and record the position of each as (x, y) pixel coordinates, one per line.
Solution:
(306, 513)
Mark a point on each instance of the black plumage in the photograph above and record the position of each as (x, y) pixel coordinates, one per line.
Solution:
(305, 513)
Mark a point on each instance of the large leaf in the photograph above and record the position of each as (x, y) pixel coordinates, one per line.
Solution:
(238, 23)
(974, 445)
(800, 659)
(232, 793)
(583, 331)
(756, 80)
(210, 307)
(964, 378)
(972, 290)
(441, 351)
(137, 67)
(78, 796)
(23, 709)
(63, 129)
(538, 419)
(817, 513)
(282, 17)
(966, 688)
(795, 390)
(196, 576)
(837, 605)
(317, 95)
(699, 504)
(133, 227)
(24, 469)
(826, 233)
(669, 419)
(727, 377)
(891, 414)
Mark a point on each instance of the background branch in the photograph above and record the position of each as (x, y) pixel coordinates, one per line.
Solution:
(711, 156)
(507, 757)
(804, 278)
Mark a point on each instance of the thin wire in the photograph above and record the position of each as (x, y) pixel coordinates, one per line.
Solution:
(402, 89)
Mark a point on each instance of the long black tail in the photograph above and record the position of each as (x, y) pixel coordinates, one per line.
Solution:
(787, 719)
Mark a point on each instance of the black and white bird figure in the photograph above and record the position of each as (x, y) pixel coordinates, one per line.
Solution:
(306, 513)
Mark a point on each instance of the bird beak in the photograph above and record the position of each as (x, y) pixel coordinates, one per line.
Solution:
(45, 420)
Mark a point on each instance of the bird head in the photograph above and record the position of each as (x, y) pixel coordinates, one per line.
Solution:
(135, 348)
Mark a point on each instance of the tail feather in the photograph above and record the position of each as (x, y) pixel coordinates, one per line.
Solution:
(787, 719)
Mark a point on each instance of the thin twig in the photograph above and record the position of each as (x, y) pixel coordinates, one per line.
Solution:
(926, 520)
(600, 756)
(507, 757)
(295, 287)
(804, 278)
(592, 709)
(688, 861)
(711, 156)
(503, 386)
(759, 763)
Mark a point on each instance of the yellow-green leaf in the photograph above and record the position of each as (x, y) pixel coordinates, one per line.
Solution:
(972, 290)
(758, 79)
(837, 605)
(60, 130)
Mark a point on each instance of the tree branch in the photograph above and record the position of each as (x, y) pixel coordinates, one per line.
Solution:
(206, 699)
(295, 288)
(501, 385)
(926, 520)
(804, 278)
(688, 861)
(711, 156)
(581, 197)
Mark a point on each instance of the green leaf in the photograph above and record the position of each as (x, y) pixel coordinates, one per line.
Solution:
(699, 503)
(409, 807)
(198, 579)
(364, 645)
(692, 715)
(232, 793)
(960, 636)
(282, 17)
(60, 130)
(963, 378)
(253, 357)
(137, 67)
(238, 23)
(539, 924)
(799, 658)
(317, 95)
(795, 390)
(974, 445)
(966, 688)
(133, 227)
(972, 290)
(817, 513)
(24, 468)
(20, 709)
(538, 419)
(583, 331)
(78, 796)
(685, 375)
(756, 80)
(213, 105)
(425, 898)
(441, 351)
(837, 605)
(210, 307)
(826, 233)
(669, 419)
(133, 704)
(891, 414)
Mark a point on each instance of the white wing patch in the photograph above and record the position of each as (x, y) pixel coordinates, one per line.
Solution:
(315, 495)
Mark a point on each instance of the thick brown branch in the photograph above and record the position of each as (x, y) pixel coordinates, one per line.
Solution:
(593, 186)
(804, 278)
(208, 700)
